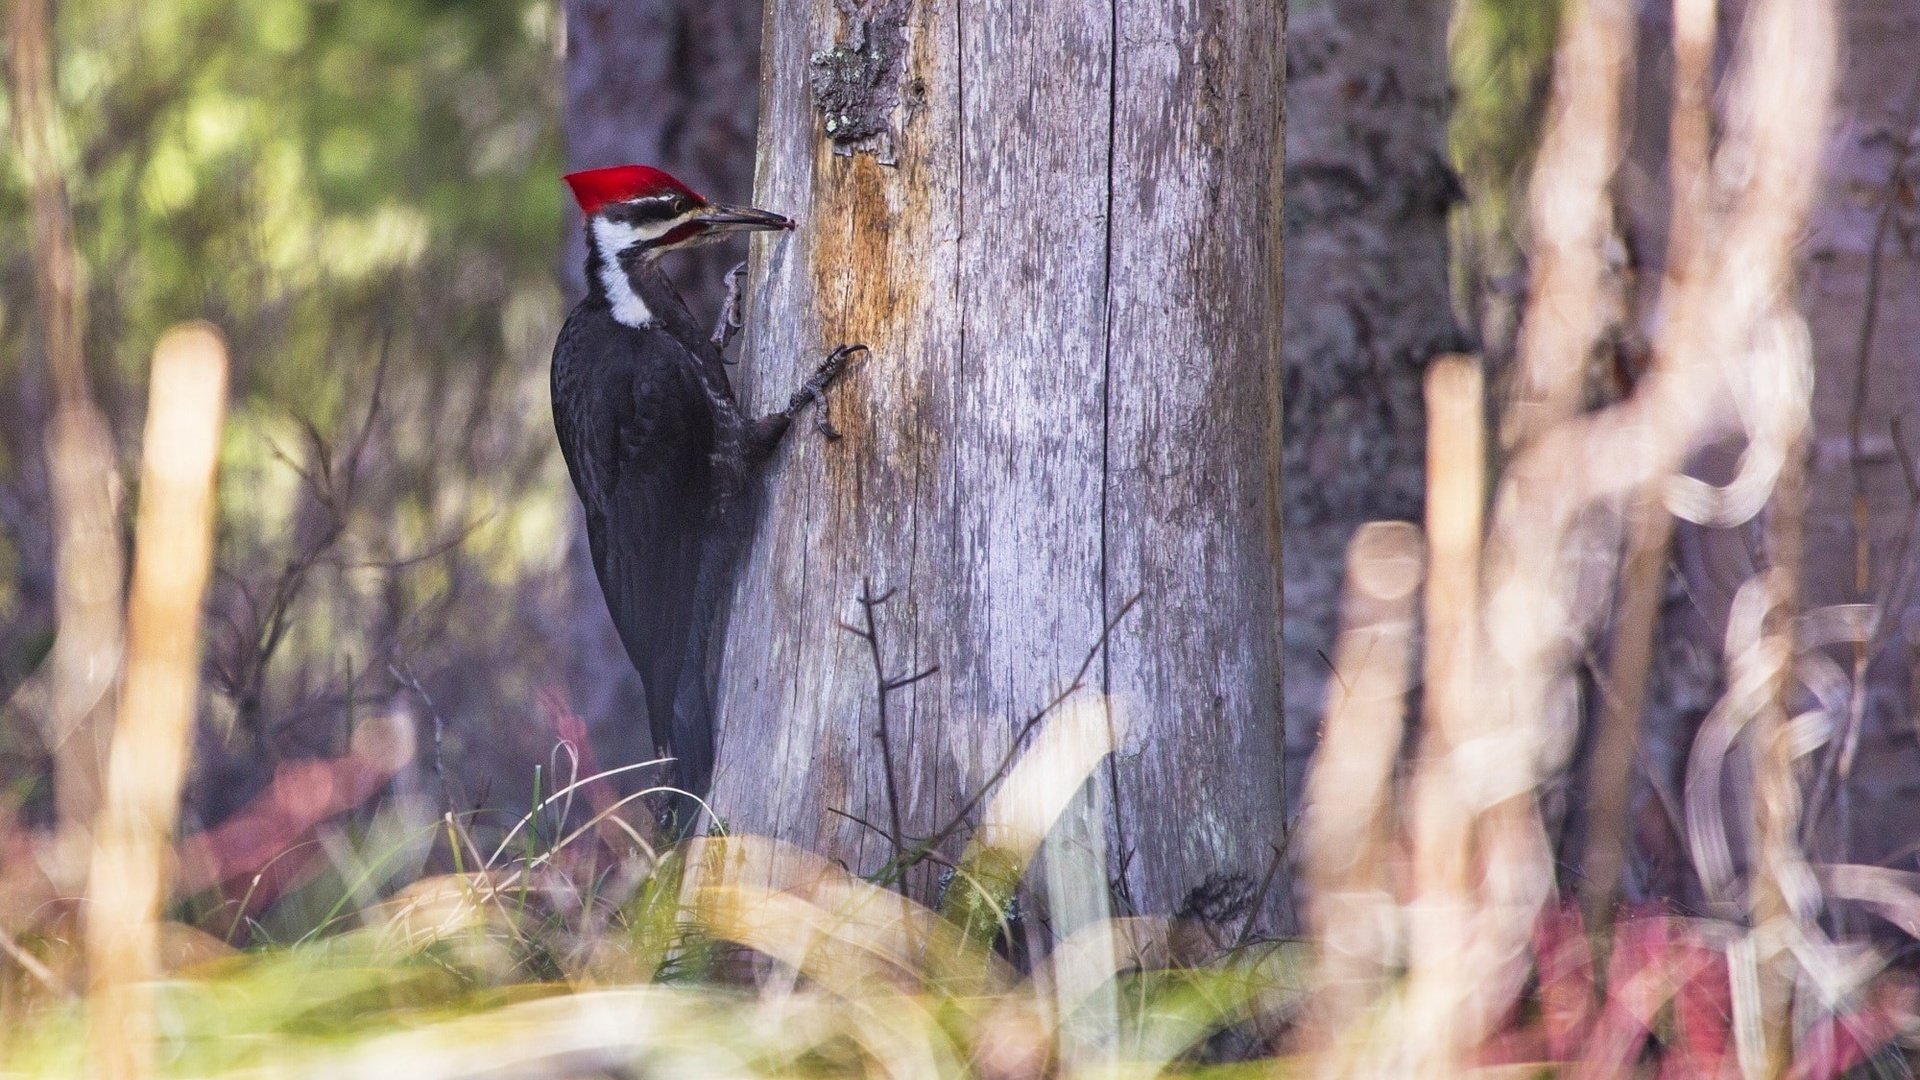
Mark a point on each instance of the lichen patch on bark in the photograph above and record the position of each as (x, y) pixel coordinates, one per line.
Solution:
(856, 82)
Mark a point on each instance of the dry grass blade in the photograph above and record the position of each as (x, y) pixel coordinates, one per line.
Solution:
(1650, 526)
(1472, 823)
(1751, 667)
(848, 949)
(816, 914)
(1690, 126)
(1766, 167)
(1571, 216)
(1350, 824)
(86, 655)
(1039, 787)
(1093, 954)
(1895, 894)
(172, 557)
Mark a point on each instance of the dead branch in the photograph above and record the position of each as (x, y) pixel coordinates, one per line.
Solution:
(884, 687)
(912, 856)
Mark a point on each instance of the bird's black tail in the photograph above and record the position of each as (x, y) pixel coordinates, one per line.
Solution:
(693, 722)
(680, 698)
(680, 711)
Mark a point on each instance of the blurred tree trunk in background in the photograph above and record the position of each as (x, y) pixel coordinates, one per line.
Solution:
(669, 83)
(675, 84)
(1367, 305)
(1057, 225)
(84, 663)
(1860, 272)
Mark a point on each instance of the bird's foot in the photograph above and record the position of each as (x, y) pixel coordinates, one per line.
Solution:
(730, 321)
(815, 388)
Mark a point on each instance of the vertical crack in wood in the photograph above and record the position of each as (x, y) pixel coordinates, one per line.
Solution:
(959, 292)
(1106, 437)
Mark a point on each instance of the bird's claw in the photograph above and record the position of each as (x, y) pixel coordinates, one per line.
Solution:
(834, 364)
(824, 425)
(730, 321)
(815, 388)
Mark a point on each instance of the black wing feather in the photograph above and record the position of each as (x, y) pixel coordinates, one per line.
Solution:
(637, 429)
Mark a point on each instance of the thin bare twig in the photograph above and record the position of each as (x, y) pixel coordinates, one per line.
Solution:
(1260, 894)
(29, 963)
(1904, 144)
(941, 835)
(884, 687)
(332, 493)
(930, 856)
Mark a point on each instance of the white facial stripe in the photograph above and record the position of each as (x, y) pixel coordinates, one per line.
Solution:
(611, 238)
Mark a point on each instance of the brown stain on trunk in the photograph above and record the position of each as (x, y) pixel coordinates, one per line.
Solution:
(856, 275)
(870, 279)
(874, 273)
(876, 257)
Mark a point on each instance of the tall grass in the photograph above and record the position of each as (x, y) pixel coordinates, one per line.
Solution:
(1510, 620)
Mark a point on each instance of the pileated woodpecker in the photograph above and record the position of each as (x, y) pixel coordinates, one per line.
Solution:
(659, 451)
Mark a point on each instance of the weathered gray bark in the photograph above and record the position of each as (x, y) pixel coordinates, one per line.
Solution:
(1368, 190)
(675, 84)
(1069, 277)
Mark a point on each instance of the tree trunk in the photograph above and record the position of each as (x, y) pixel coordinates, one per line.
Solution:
(1368, 190)
(1057, 226)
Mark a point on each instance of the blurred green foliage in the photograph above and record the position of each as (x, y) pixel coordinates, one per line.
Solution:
(1502, 60)
(312, 176)
(1502, 56)
(345, 187)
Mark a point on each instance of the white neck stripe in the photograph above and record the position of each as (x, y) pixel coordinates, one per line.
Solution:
(611, 238)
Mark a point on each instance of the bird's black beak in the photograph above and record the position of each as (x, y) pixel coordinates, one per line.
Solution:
(742, 219)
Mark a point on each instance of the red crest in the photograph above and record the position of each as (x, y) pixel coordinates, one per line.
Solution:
(595, 188)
